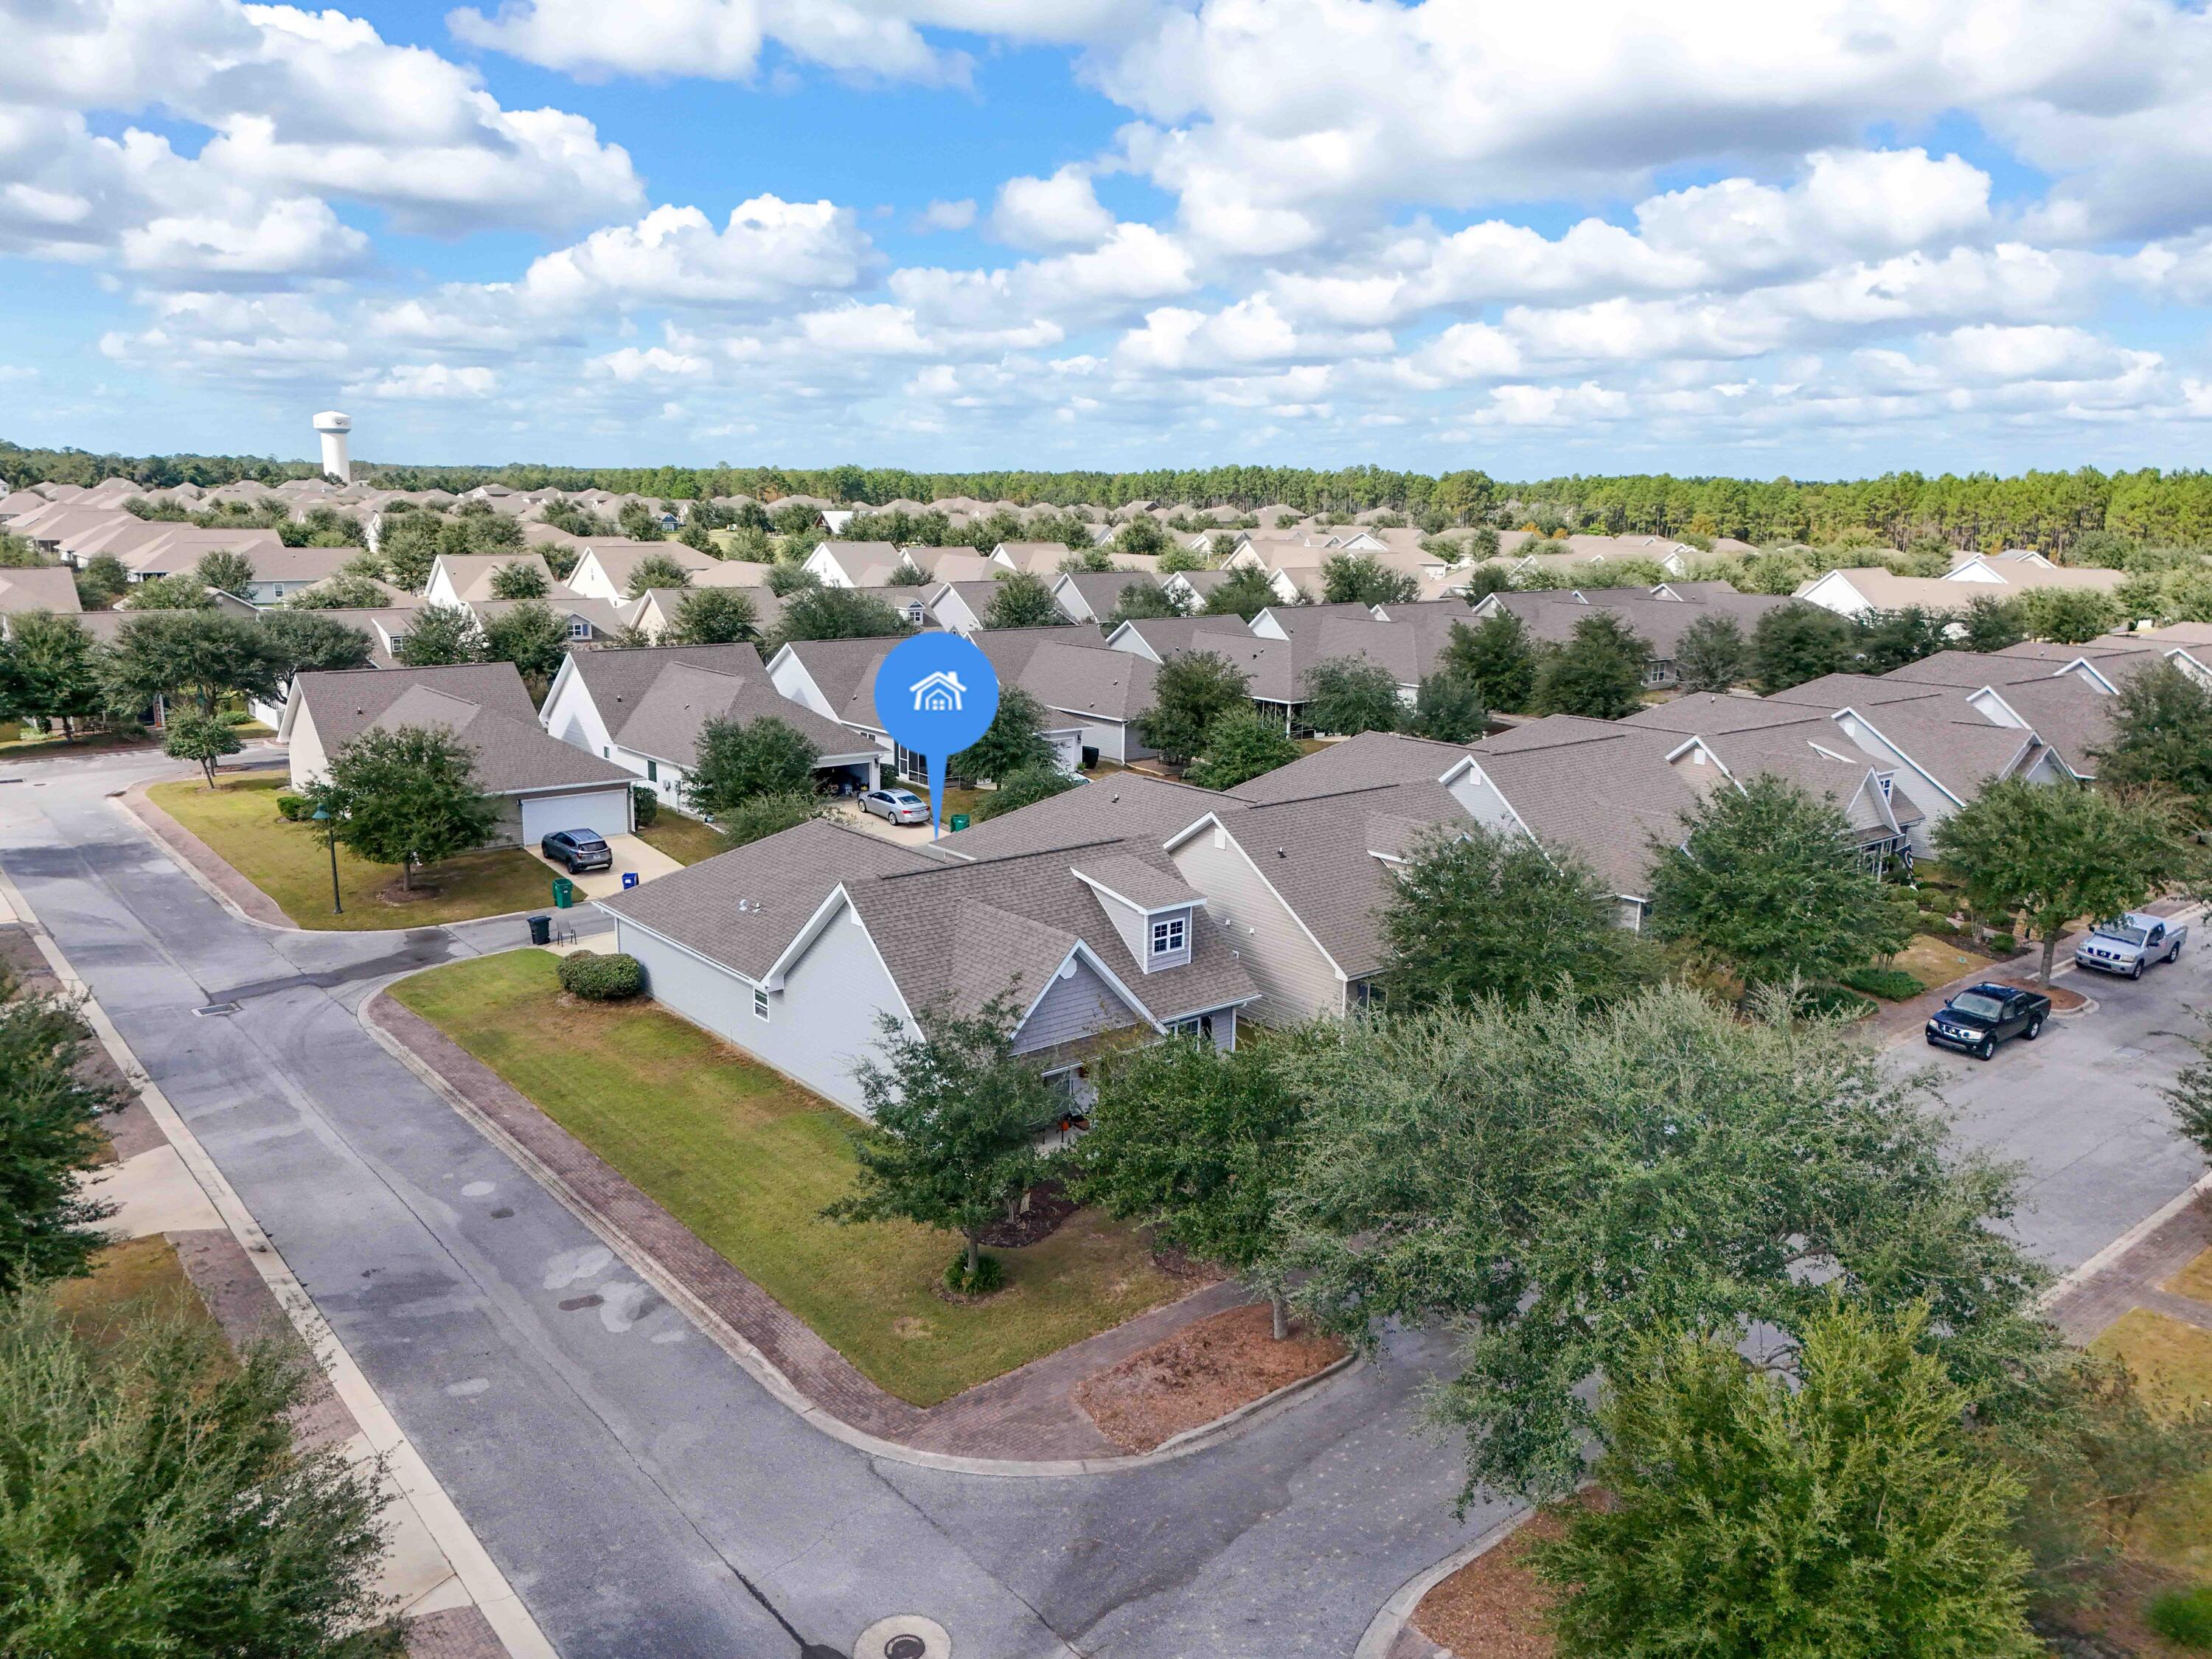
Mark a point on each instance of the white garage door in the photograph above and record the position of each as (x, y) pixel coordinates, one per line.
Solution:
(606, 810)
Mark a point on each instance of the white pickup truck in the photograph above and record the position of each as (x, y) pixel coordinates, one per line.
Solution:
(2129, 944)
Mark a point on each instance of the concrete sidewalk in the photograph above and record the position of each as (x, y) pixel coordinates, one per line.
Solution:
(435, 1576)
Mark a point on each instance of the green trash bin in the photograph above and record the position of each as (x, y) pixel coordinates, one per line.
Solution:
(564, 892)
(959, 820)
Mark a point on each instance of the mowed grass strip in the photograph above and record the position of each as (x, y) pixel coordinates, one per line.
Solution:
(682, 836)
(746, 1158)
(291, 863)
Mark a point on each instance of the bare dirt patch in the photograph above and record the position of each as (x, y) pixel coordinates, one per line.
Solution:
(1495, 1606)
(1205, 1370)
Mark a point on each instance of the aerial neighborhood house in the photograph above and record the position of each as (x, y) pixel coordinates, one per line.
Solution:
(1970, 577)
(541, 784)
(466, 578)
(791, 948)
(1090, 596)
(605, 570)
(836, 679)
(644, 709)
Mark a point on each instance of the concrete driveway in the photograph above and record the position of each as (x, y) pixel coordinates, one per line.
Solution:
(630, 853)
(2079, 1109)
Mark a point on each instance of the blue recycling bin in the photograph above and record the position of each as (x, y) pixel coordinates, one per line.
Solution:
(629, 879)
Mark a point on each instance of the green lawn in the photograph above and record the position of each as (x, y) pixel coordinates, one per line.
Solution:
(747, 1159)
(2174, 1361)
(18, 743)
(682, 836)
(289, 863)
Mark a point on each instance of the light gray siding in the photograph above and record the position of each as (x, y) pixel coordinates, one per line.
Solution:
(1296, 980)
(1079, 1005)
(820, 1024)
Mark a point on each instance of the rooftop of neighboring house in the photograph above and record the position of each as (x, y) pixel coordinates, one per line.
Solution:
(655, 700)
(472, 575)
(485, 705)
(1121, 805)
(37, 587)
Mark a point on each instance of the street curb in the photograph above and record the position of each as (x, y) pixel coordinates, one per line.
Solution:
(1397, 1612)
(496, 1599)
(770, 1376)
(2127, 1241)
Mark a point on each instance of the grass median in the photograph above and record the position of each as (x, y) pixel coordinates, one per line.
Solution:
(291, 864)
(746, 1158)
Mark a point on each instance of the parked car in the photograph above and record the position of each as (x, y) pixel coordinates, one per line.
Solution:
(1975, 1021)
(579, 849)
(2129, 943)
(899, 805)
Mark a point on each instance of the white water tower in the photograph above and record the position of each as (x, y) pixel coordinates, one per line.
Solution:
(333, 426)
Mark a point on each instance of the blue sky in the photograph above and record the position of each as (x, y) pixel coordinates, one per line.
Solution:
(1115, 232)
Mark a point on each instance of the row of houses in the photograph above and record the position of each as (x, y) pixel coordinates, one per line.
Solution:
(1135, 904)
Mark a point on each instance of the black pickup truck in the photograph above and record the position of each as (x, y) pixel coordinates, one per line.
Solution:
(1975, 1021)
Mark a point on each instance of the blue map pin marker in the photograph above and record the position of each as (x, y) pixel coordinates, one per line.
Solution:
(935, 695)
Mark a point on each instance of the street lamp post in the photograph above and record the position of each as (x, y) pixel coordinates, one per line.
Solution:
(323, 816)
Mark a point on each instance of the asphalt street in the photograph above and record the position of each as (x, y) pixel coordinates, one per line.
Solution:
(2079, 1109)
(645, 1496)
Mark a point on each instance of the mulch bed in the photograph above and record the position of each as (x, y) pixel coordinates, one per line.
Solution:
(1205, 1370)
(1047, 1206)
(1495, 1608)
(2063, 1001)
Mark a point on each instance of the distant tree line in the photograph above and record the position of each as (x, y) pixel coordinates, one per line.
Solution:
(2048, 510)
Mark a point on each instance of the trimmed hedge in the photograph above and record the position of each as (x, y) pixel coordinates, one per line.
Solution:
(645, 803)
(1891, 984)
(613, 977)
(293, 807)
(2003, 944)
(1833, 1000)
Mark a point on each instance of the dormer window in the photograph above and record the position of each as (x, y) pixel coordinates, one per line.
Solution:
(1171, 935)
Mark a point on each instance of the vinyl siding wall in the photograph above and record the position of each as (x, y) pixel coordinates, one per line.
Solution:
(1295, 978)
(819, 1026)
(1077, 1006)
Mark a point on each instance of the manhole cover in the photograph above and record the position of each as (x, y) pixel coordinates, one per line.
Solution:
(214, 1009)
(909, 1636)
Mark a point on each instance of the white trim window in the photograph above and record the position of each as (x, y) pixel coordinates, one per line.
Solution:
(760, 1002)
(1170, 934)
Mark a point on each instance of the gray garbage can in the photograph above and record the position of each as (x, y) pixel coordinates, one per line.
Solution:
(541, 930)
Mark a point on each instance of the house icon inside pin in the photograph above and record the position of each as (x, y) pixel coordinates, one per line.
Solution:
(939, 693)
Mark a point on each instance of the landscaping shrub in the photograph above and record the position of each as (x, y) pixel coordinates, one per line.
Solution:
(610, 978)
(1891, 984)
(645, 802)
(1834, 1000)
(2003, 944)
(292, 806)
(235, 717)
(2184, 1617)
(987, 1276)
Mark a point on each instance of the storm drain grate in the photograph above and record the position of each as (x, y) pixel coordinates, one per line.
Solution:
(214, 1009)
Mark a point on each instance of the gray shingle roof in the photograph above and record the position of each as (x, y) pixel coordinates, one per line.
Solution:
(485, 705)
(1144, 884)
(1123, 806)
(951, 933)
